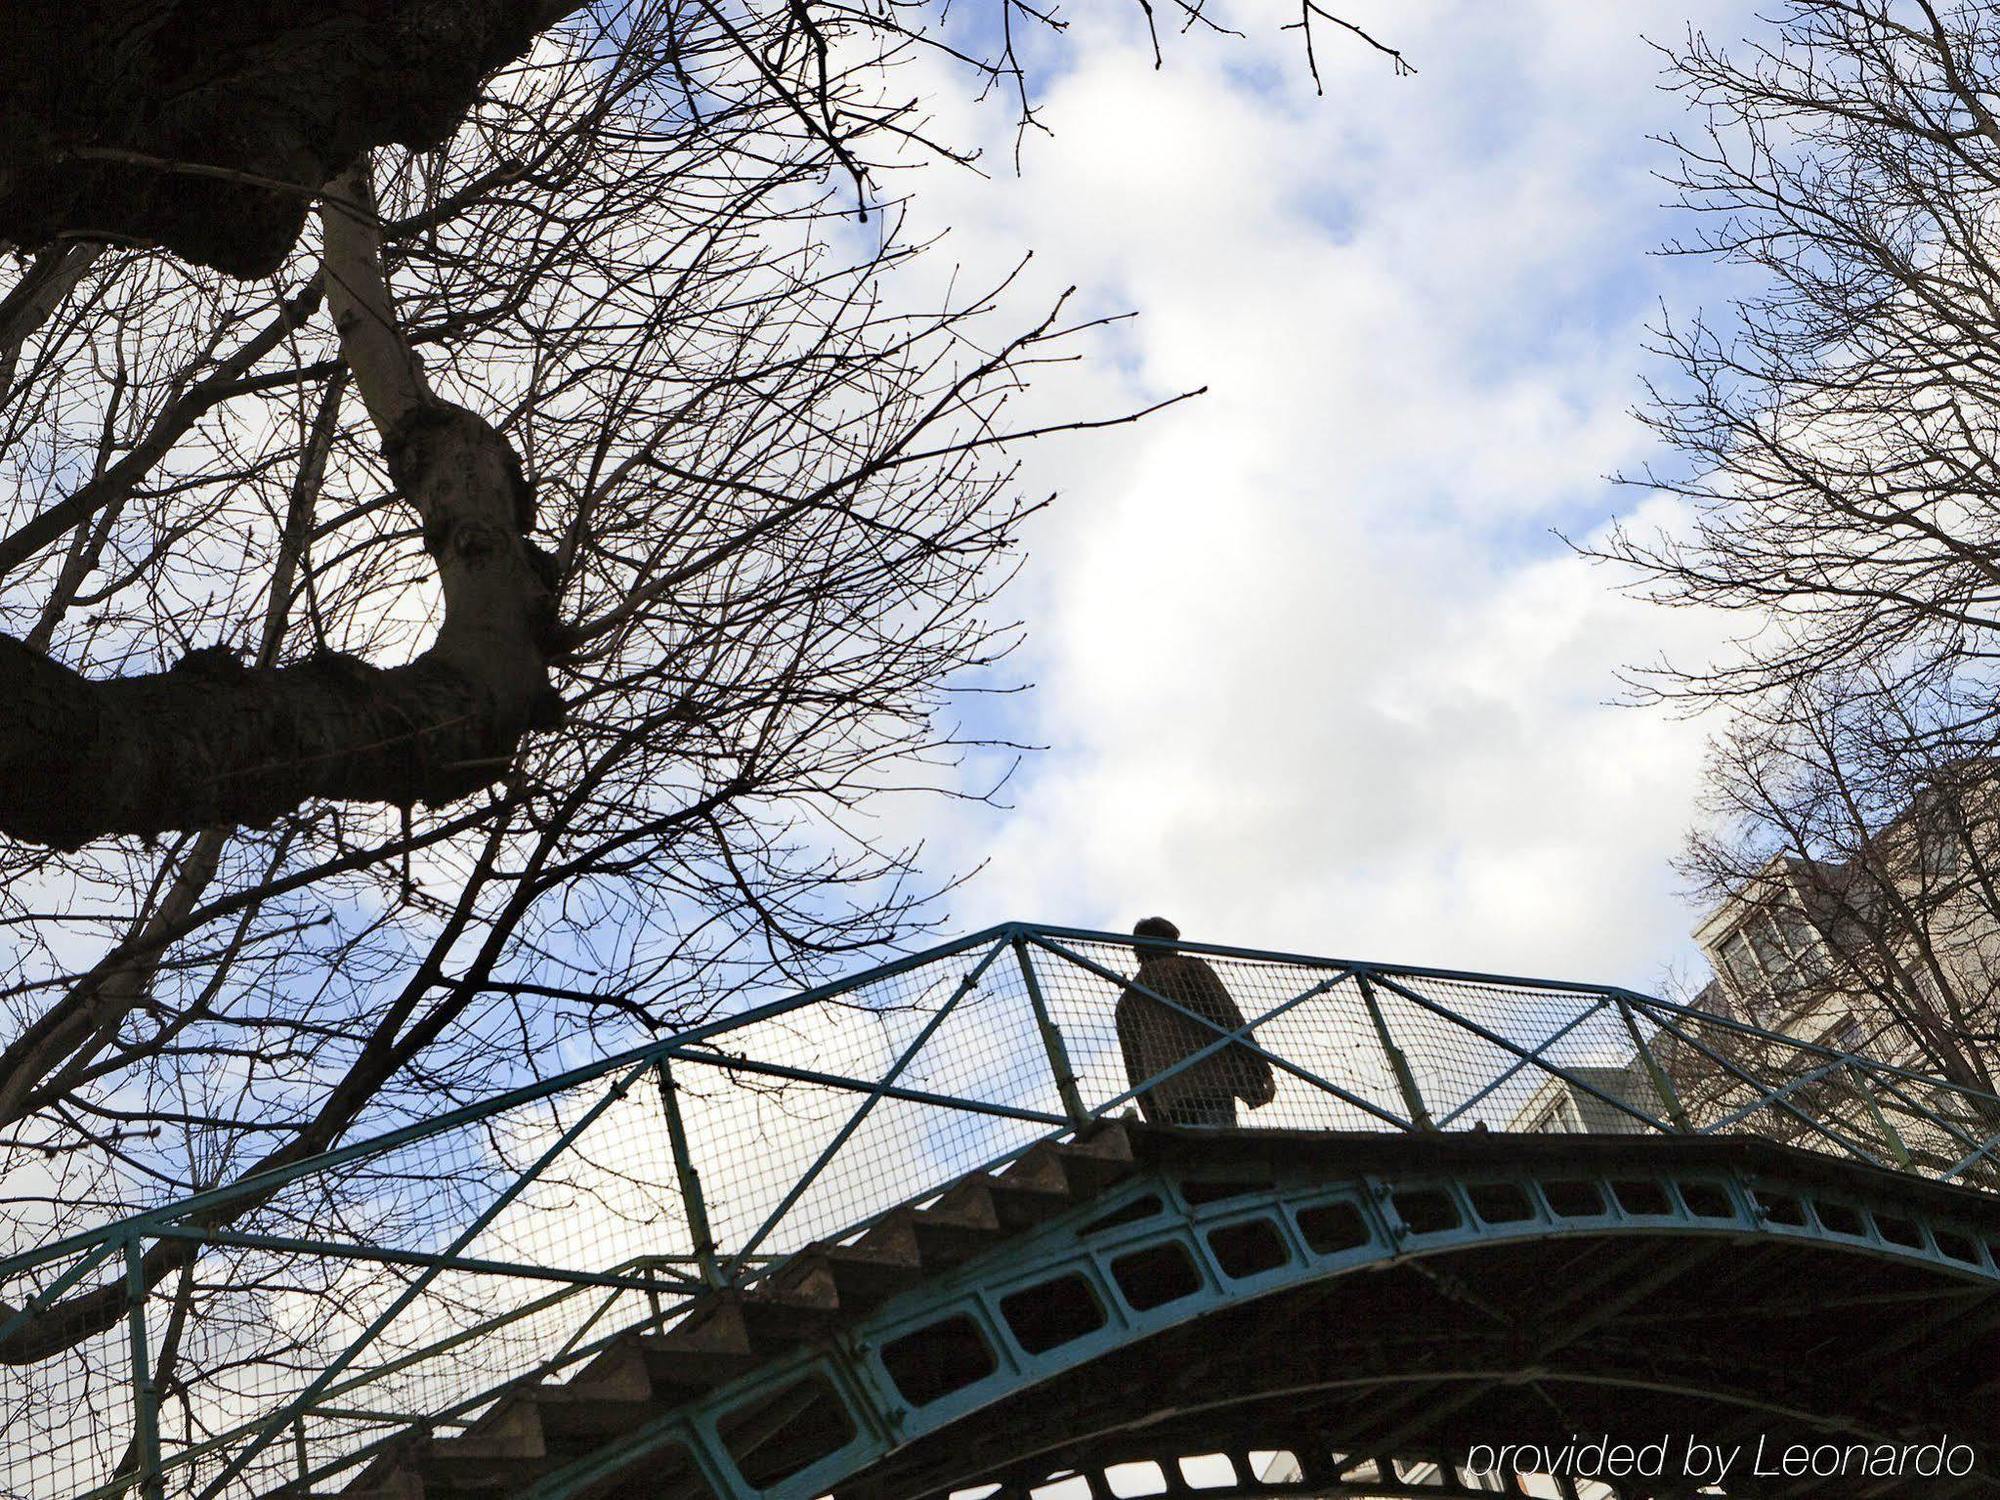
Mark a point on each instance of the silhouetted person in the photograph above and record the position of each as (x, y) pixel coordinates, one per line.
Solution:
(1154, 1037)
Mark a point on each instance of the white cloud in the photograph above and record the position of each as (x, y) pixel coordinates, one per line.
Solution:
(1312, 670)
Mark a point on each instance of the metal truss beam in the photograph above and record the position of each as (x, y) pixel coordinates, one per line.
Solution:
(1197, 1236)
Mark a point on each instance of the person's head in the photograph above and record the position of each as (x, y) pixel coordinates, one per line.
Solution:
(1158, 928)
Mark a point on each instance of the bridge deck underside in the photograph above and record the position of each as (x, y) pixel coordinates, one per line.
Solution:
(1636, 1335)
(1344, 1299)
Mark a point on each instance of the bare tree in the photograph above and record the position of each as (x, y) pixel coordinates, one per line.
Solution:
(1838, 454)
(482, 639)
(1855, 880)
(1837, 428)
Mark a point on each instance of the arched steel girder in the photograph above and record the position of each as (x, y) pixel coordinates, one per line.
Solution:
(1389, 1295)
(1278, 1465)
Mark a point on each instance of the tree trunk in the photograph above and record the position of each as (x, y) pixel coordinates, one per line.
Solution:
(212, 742)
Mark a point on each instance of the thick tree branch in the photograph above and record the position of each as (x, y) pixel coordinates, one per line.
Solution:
(212, 742)
(44, 284)
(210, 128)
(90, 1013)
(393, 1041)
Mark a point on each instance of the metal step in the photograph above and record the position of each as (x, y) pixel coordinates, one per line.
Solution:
(726, 1335)
(950, 1233)
(709, 1347)
(863, 1276)
(402, 1485)
(446, 1472)
(394, 1482)
(1098, 1161)
(1032, 1190)
(574, 1422)
(666, 1474)
(778, 1318)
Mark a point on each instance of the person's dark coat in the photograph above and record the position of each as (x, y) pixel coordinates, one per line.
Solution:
(1154, 1037)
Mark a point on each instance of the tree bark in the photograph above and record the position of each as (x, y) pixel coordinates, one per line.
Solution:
(213, 742)
(210, 128)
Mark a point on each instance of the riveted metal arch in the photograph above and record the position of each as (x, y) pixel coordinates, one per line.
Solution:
(1156, 1252)
(1277, 1465)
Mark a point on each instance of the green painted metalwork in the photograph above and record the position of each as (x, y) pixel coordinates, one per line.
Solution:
(145, 1394)
(1889, 1134)
(1514, 1069)
(1662, 1085)
(874, 1097)
(91, 1251)
(263, 1184)
(1226, 1038)
(846, 1102)
(1052, 1039)
(1120, 1469)
(1243, 1038)
(340, 1362)
(689, 1178)
(1574, 1080)
(440, 1261)
(456, 1415)
(1406, 1081)
(1162, 1211)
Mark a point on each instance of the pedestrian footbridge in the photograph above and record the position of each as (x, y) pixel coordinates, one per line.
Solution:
(906, 1236)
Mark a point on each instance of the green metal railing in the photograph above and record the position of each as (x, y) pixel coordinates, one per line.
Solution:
(281, 1330)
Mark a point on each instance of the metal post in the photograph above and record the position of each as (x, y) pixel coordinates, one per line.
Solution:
(1888, 1132)
(1662, 1084)
(145, 1395)
(299, 1455)
(413, 1289)
(1072, 1100)
(690, 1179)
(1406, 1081)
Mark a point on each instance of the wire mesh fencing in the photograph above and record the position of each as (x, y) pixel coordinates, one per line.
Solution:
(279, 1332)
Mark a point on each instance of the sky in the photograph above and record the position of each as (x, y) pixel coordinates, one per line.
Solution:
(1312, 669)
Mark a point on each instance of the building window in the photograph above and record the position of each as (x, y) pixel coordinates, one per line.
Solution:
(1938, 846)
(1559, 1118)
(1742, 966)
(1771, 955)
